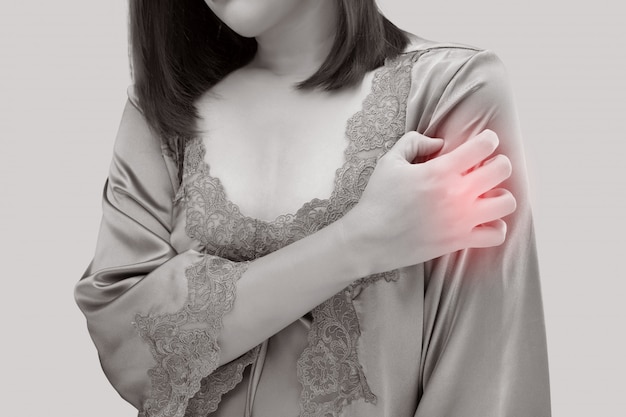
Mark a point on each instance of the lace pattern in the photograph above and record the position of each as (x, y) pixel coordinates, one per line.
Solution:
(222, 230)
(213, 387)
(329, 369)
(184, 343)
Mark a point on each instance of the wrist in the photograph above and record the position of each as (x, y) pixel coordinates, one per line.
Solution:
(353, 247)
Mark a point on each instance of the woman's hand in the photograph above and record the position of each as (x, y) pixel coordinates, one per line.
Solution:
(411, 213)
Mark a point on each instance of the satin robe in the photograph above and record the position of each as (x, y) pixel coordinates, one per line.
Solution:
(460, 335)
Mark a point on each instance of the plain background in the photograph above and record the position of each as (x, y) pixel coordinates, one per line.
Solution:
(63, 78)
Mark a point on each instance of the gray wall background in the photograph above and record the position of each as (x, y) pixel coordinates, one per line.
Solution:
(63, 76)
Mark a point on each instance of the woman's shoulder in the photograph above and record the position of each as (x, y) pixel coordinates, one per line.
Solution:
(446, 74)
(132, 97)
(437, 57)
(439, 63)
(423, 46)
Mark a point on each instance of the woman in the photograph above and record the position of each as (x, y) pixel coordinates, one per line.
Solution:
(390, 292)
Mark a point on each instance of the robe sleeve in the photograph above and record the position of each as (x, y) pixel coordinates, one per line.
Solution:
(154, 314)
(484, 348)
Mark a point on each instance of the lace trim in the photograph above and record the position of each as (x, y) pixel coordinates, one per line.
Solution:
(184, 343)
(359, 285)
(329, 368)
(382, 120)
(213, 387)
(218, 224)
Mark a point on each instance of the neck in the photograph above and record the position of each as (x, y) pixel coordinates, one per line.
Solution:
(299, 44)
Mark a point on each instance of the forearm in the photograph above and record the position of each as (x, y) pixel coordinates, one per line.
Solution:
(281, 287)
(371, 238)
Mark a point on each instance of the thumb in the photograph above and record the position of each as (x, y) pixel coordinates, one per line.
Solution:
(415, 145)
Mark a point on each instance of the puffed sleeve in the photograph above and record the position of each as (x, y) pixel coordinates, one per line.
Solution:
(484, 346)
(154, 314)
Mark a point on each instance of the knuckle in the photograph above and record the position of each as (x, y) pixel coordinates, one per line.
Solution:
(412, 136)
(429, 172)
(439, 166)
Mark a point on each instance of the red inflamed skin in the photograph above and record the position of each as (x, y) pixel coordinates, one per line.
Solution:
(449, 202)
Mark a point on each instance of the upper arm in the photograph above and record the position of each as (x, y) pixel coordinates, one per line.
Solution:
(484, 350)
(138, 173)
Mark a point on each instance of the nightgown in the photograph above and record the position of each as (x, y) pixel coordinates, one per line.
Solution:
(460, 335)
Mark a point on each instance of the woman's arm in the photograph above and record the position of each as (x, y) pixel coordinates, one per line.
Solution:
(484, 350)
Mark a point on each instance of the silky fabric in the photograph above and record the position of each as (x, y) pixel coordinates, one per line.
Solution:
(460, 335)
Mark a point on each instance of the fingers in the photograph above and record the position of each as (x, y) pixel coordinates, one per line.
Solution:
(472, 152)
(488, 175)
(488, 234)
(493, 205)
(414, 145)
(490, 208)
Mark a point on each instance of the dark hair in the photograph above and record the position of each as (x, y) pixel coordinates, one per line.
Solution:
(179, 49)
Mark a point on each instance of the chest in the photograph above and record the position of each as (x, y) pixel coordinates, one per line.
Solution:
(272, 147)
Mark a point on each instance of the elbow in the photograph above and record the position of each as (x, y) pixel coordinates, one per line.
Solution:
(86, 295)
(79, 295)
(87, 292)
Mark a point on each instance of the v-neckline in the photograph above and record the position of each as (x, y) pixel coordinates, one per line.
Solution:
(203, 167)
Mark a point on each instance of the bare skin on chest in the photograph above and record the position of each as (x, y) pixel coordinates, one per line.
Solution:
(273, 147)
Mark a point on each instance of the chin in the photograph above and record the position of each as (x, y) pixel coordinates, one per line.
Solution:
(250, 18)
(244, 27)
